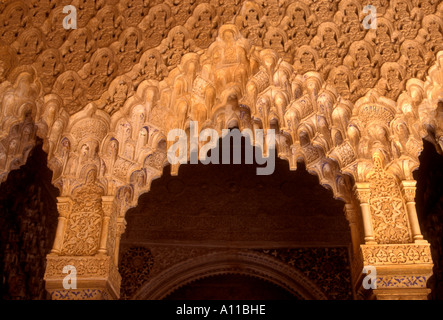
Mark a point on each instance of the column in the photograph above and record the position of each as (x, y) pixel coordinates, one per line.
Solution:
(356, 262)
(63, 207)
(351, 216)
(398, 255)
(121, 227)
(409, 194)
(108, 206)
(81, 244)
(363, 193)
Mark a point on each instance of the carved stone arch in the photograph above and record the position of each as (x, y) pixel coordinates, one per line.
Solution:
(155, 161)
(243, 263)
(21, 100)
(59, 96)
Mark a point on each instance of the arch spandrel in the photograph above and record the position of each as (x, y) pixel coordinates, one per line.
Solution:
(308, 70)
(245, 263)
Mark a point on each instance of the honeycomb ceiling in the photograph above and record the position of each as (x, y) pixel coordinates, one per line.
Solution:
(138, 40)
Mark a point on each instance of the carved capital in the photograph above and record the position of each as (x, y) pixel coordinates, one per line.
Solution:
(409, 190)
(363, 195)
(108, 205)
(362, 192)
(409, 194)
(64, 206)
(121, 227)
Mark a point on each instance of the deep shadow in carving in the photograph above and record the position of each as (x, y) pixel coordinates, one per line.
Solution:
(28, 220)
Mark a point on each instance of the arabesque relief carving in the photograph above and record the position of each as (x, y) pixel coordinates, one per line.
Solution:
(396, 254)
(387, 207)
(104, 96)
(85, 219)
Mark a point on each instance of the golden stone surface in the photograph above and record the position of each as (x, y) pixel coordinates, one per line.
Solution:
(350, 102)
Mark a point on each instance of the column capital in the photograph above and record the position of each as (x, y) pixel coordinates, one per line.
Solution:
(409, 183)
(64, 205)
(409, 189)
(362, 191)
(396, 254)
(121, 225)
(363, 195)
(361, 185)
(108, 205)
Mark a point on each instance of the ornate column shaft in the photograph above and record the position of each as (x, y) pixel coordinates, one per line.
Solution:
(121, 227)
(351, 216)
(363, 194)
(409, 193)
(108, 204)
(63, 207)
(356, 262)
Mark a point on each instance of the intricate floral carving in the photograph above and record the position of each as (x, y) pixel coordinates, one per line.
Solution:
(155, 160)
(157, 24)
(332, 260)
(84, 225)
(203, 24)
(363, 195)
(396, 254)
(69, 87)
(388, 210)
(86, 267)
(86, 294)
(259, 63)
(135, 268)
(177, 44)
(401, 282)
(346, 154)
(89, 269)
(409, 194)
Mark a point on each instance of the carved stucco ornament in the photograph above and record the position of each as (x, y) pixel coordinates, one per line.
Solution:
(104, 96)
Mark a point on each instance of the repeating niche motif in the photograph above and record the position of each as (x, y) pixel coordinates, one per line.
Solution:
(135, 267)
(203, 24)
(132, 28)
(310, 37)
(255, 55)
